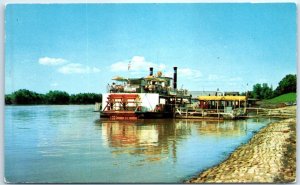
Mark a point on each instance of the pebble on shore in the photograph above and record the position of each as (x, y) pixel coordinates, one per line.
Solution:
(269, 157)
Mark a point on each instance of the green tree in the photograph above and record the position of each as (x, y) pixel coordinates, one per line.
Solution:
(257, 91)
(8, 99)
(24, 96)
(262, 91)
(266, 91)
(85, 98)
(286, 85)
(57, 97)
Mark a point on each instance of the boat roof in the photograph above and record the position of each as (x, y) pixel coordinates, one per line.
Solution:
(153, 78)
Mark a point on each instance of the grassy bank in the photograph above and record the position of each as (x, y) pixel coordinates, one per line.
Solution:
(289, 97)
(279, 101)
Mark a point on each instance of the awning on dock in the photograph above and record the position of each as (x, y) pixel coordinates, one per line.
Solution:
(222, 98)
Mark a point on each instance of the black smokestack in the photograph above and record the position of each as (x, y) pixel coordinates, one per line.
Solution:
(151, 71)
(175, 78)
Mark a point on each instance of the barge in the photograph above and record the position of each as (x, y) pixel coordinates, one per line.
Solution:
(215, 107)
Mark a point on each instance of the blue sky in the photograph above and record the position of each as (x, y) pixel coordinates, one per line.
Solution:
(80, 47)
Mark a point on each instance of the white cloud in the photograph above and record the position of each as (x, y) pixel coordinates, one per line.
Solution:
(67, 68)
(52, 61)
(189, 73)
(77, 68)
(169, 74)
(137, 63)
(119, 66)
(138, 66)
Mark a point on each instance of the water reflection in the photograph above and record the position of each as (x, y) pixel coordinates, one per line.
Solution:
(159, 138)
(148, 137)
(227, 128)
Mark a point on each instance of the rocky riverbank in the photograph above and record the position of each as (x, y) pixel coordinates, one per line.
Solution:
(269, 157)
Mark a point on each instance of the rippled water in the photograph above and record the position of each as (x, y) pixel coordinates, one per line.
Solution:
(61, 144)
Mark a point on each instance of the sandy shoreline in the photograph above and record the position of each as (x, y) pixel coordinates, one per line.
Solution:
(270, 156)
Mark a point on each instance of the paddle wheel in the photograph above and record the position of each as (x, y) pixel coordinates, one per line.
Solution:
(121, 106)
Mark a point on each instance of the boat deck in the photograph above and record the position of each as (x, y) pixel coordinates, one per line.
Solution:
(121, 115)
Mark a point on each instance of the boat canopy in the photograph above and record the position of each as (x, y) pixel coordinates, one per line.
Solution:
(119, 78)
(222, 98)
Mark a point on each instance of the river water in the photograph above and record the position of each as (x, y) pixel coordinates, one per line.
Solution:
(69, 144)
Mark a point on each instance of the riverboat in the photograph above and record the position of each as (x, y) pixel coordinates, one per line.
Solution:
(153, 96)
(157, 96)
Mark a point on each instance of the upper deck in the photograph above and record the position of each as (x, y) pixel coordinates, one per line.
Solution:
(149, 84)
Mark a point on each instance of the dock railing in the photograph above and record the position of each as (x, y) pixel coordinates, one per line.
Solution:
(270, 112)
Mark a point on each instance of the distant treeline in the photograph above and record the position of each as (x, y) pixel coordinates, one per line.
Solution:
(262, 91)
(26, 97)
